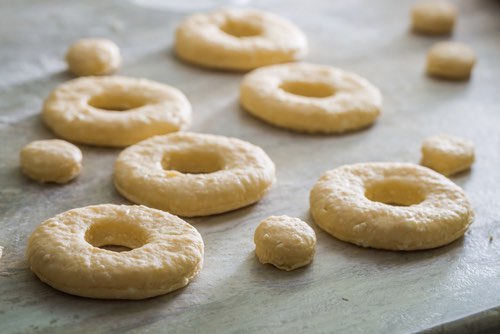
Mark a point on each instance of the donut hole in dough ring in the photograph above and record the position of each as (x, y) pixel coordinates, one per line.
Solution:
(191, 174)
(67, 252)
(310, 98)
(115, 110)
(393, 206)
(238, 39)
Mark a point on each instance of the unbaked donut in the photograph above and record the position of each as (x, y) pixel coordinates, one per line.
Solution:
(433, 17)
(93, 56)
(191, 174)
(394, 206)
(66, 252)
(238, 39)
(450, 60)
(285, 242)
(51, 160)
(447, 154)
(311, 98)
(115, 111)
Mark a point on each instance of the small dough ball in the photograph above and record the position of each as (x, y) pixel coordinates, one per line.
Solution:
(433, 17)
(93, 56)
(285, 242)
(447, 154)
(51, 160)
(450, 60)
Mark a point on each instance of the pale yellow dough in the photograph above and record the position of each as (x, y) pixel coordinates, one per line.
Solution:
(450, 60)
(433, 17)
(51, 160)
(447, 154)
(191, 174)
(238, 39)
(394, 206)
(285, 242)
(93, 56)
(310, 98)
(114, 110)
(166, 252)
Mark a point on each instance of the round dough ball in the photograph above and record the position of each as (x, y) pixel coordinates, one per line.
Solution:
(447, 154)
(51, 160)
(93, 56)
(450, 60)
(114, 110)
(433, 17)
(285, 242)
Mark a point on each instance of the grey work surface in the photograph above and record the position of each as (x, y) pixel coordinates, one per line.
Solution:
(347, 288)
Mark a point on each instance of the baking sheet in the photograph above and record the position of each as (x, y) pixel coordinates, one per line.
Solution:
(346, 288)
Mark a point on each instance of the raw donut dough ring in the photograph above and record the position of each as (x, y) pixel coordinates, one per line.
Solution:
(310, 98)
(191, 174)
(166, 252)
(285, 242)
(238, 39)
(87, 110)
(349, 203)
(51, 160)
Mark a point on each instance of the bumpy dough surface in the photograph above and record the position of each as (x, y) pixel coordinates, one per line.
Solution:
(429, 210)
(285, 242)
(450, 60)
(51, 160)
(166, 252)
(447, 154)
(238, 39)
(191, 174)
(93, 56)
(115, 111)
(433, 17)
(310, 98)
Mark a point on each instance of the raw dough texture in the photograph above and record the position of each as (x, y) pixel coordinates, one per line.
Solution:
(433, 17)
(238, 39)
(115, 111)
(450, 60)
(165, 252)
(93, 56)
(310, 98)
(285, 242)
(191, 174)
(447, 154)
(394, 206)
(51, 160)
